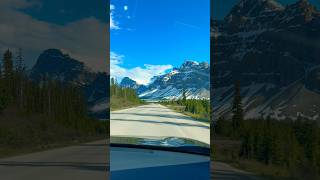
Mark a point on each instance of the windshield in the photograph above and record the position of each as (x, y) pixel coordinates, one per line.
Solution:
(160, 73)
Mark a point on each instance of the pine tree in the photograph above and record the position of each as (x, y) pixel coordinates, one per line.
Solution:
(8, 72)
(20, 66)
(8, 65)
(6, 81)
(0, 71)
(237, 117)
(20, 69)
(4, 98)
(184, 96)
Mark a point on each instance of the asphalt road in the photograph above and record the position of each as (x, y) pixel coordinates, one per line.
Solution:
(80, 162)
(222, 171)
(155, 120)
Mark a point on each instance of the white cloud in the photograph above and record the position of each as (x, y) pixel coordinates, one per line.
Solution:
(141, 75)
(84, 39)
(125, 7)
(113, 23)
(112, 7)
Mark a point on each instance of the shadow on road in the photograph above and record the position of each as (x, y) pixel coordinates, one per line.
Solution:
(79, 165)
(159, 115)
(163, 122)
(230, 175)
(223, 171)
(92, 145)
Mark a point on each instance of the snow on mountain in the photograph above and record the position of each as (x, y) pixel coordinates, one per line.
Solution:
(192, 77)
(273, 51)
(129, 83)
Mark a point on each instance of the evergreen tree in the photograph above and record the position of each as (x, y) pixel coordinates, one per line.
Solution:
(4, 97)
(6, 89)
(20, 66)
(20, 78)
(237, 117)
(8, 66)
(0, 71)
(184, 96)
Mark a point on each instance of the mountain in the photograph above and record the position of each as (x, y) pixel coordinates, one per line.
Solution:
(54, 64)
(193, 77)
(97, 93)
(129, 83)
(273, 51)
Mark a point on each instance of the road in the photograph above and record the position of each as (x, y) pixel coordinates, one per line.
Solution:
(155, 120)
(81, 162)
(222, 171)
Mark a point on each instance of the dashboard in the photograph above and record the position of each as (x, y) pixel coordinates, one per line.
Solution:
(150, 164)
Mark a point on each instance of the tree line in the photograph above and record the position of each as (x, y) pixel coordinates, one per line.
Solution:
(122, 97)
(291, 144)
(194, 106)
(58, 104)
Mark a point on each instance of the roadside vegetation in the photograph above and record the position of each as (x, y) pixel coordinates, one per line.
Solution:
(286, 149)
(122, 98)
(198, 109)
(40, 115)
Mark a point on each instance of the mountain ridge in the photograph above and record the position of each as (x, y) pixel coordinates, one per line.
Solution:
(274, 54)
(54, 64)
(191, 77)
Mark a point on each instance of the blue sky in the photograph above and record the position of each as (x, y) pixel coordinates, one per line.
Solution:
(75, 27)
(148, 38)
(220, 8)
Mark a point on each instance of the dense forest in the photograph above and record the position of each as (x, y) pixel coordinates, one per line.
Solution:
(40, 113)
(122, 97)
(292, 146)
(196, 108)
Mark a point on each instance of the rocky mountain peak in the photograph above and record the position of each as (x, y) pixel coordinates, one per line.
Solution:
(191, 76)
(273, 53)
(303, 8)
(251, 15)
(204, 65)
(59, 66)
(127, 82)
(57, 56)
(189, 64)
(252, 8)
(192, 65)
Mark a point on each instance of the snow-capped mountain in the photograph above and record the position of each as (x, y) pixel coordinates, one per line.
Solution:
(192, 77)
(54, 64)
(274, 52)
(129, 83)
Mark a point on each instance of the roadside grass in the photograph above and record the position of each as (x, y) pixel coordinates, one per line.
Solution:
(22, 134)
(181, 109)
(271, 172)
(227, 150)
(8, 151)
(118, 103)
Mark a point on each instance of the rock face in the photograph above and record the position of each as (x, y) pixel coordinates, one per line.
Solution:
(274, 52)
(56, 65)
(53, 64)
(129, 83)
(193, 77)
